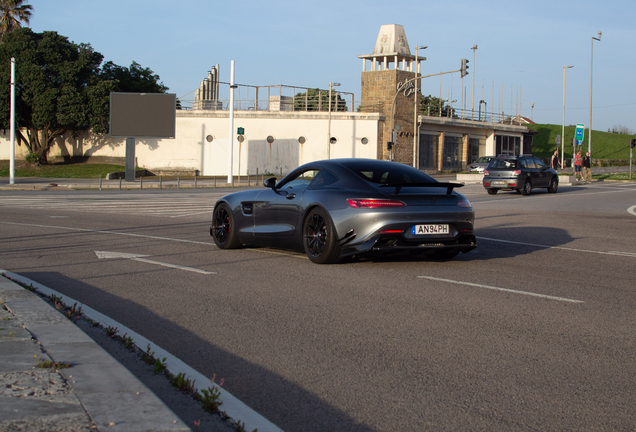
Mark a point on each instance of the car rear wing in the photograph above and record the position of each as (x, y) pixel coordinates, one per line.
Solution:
(449, 186)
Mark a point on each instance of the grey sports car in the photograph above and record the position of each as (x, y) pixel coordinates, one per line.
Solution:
(340, 208)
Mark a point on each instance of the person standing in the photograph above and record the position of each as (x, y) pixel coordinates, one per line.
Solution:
(587, 168)
(555, 160)
(578, 164)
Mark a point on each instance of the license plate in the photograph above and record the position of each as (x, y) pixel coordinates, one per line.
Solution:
(499, 182)
(430, 229)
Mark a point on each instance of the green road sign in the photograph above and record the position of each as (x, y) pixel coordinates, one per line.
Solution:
(580, 132)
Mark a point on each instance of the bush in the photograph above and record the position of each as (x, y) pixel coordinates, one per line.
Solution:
(32, 158)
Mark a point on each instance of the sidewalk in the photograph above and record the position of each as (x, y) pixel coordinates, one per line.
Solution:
(95, 393)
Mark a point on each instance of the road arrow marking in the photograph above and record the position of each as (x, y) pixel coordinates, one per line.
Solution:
(141, 258)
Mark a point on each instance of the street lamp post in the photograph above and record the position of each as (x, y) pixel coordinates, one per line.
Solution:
(472, 101)
(331, 84)
(563, 122)
(589, 145)
(416, 109)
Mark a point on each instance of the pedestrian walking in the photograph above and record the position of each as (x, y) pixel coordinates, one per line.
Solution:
(555, 160)
(587, 168)
(578, 165)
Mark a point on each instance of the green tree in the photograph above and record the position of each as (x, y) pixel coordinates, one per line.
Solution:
(430, 106)
(132, 79)
(12, 12)
(60, 87)
(317, 100)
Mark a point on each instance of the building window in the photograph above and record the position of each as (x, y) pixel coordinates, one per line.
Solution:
(428, 150)
(507, 145)
(452, 146)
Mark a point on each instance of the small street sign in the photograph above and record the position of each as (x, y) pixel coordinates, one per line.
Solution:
(558, 139)
(579, 133)
(240, 131)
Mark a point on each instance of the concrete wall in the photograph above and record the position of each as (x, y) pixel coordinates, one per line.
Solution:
(192, 150)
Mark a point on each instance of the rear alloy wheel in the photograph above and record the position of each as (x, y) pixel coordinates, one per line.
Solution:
(319, 238)
(554, 185)
(223, 228)
(527, 188)
(492, 191)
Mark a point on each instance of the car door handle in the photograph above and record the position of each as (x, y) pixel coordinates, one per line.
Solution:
(291, 196)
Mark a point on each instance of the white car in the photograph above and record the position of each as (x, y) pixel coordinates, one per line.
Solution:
(480, 164)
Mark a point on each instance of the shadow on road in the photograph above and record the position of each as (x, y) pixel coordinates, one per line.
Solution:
(284, 403)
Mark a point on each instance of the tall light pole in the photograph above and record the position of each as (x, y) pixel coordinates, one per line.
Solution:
(416, 108)
(472, 102)
(230, 178)
(563, 122)
(331, 84)
(589, 142)
(12, 125)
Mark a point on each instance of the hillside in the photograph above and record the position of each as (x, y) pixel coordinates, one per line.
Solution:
(605, 145)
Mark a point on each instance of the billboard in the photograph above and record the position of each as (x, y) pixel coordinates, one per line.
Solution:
(142, 115)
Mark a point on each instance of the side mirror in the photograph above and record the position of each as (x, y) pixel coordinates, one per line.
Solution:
(270, 183)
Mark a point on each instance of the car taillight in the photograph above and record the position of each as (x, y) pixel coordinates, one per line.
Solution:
(374, 203)
(516, 172)
(463, 202)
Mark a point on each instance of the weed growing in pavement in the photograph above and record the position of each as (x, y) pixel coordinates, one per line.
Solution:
(6, 318)
(182, 383)
(148, 357)
(127, 342)
(111, 331)
(159, 366)
(211, 398)
(48, 364)
(3, 301)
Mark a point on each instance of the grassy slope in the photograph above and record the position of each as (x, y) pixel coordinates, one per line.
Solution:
(605, 145)
(80, 170)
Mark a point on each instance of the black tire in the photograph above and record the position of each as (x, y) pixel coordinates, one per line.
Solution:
(554, 185)
(492, 191)
(527, 187)
(223, 228)
(319, 238)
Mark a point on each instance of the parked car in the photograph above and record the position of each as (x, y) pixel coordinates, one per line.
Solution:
(522, 173)
(480, 164)
(344, 207)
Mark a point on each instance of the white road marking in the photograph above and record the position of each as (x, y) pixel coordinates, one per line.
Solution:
(615, 253)
(140, 258)
(270, 252)
(502, 289)
(110, 232)
(632, 210)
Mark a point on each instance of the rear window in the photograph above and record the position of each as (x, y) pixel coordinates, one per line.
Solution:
(381, 172)
(503, 164)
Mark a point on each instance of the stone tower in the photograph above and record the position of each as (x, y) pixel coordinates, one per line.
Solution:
(392, 65)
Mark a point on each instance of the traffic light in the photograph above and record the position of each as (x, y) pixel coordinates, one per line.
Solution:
(389, 145)
(632, 143)
(464, 69)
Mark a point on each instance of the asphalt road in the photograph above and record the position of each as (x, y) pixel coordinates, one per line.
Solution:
(533, 330)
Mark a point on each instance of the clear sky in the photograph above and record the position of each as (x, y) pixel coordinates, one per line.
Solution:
(522, 46)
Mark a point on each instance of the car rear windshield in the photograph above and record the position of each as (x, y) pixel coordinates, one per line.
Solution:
(503, 164)
(388, 173)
